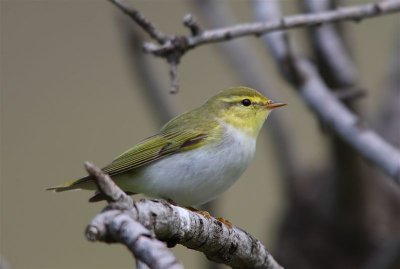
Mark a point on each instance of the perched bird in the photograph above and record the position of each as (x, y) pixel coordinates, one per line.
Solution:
(195, 156)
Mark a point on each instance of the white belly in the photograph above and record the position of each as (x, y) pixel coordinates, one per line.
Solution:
(194, 177)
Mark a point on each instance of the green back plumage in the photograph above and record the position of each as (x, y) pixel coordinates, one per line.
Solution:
(155, 148)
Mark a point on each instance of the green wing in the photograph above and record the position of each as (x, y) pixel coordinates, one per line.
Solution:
(154, 148)
(149, 150)
(178, 135)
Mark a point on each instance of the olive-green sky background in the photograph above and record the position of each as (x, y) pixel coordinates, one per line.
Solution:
(69, 94)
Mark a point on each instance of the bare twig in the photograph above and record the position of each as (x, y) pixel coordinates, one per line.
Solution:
(351, 13)
(164, 105)
(174, 47)
(173, 224)
(302, 74)
(190, 21)
(173, 73)
(141, 20)
(173, 58)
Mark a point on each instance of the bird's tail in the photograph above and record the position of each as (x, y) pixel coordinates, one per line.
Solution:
(86, 183)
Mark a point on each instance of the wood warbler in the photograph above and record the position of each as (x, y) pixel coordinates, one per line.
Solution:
(195, 156)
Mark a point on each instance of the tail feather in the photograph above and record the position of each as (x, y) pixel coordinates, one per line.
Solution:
(82, 183)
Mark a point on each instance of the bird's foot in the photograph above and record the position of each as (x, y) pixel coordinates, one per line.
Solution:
(203, 213)
(227, 223)
(207, 215)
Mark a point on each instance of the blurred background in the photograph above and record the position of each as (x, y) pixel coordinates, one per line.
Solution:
(75, 87)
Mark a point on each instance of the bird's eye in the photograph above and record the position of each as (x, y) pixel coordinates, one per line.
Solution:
(246, 102)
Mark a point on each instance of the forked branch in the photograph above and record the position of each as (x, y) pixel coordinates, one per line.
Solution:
(172, 48)
(352, 13)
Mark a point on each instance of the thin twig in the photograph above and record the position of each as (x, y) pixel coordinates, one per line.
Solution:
(190, 21)
(153, 87)
(302, 74)
(173, 73)
(172, 48)
(141, 20)
(172, 224)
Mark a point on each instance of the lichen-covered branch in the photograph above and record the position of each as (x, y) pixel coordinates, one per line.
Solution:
(121, 220)
(115, 225)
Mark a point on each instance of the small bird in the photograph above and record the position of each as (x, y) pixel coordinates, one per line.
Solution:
(196, 156)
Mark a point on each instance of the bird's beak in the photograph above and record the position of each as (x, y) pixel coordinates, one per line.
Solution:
(272, 105)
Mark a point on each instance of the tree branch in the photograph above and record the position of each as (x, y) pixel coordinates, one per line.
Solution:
(114, 225)
(172, 48)
(351, 13)
(142, 21)
(121, 220)
(172, 58)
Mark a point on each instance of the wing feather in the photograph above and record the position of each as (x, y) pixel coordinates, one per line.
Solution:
(155, 148)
